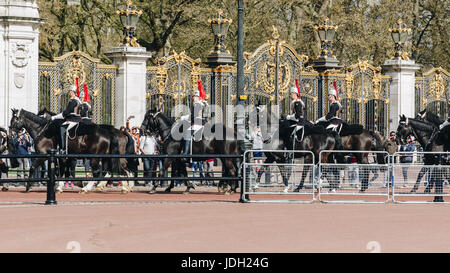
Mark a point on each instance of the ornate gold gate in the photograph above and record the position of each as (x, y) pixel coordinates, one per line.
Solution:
(433, 92)
(273, 68)
(56, 77)
(173, 80)
(364, 95)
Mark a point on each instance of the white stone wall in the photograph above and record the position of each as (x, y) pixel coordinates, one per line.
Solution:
(131, 84)
(19, 55)
(402, 92)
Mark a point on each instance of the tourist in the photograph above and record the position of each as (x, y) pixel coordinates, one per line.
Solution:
(407, 158)
(148, 147)
(22, 143)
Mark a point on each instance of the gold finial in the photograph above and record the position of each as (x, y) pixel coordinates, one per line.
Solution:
(129, 3)
(275, 34)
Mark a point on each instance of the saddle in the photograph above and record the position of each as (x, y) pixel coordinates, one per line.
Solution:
(342, 128)
(301, 130)
(351, 129)
(198, 133)
(335, 127)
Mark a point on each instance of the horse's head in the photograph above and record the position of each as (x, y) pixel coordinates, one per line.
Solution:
(403, 130)
(150, 122)
(42, 112)
(16, 124)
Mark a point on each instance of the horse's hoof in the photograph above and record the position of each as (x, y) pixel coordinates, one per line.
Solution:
(5, 189)
(124, 192)
(99, 189)
(167, 190)
(227, 193)
(59, 191)
(83, 192)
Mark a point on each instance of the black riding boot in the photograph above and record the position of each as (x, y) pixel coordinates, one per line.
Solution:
(63, 139)
(186, 150)
(338, 146)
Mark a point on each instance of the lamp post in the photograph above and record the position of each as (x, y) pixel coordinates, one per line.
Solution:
(219, 27)
(129, 18)
(325, 61)
(219, 55)
(326, 33)
(399, 35)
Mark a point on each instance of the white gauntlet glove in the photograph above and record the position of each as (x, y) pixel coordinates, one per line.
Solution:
(290, 117)
(321, 119)
(58, 116)
(186, 117)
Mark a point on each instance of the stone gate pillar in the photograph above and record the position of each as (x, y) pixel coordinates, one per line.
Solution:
(402, 92)
(19, 55)
(131, 83)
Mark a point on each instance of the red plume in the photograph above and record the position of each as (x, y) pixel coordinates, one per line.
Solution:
(335, 88)
(78, 88)
(86, 94)
(201, 90)
(298, 88)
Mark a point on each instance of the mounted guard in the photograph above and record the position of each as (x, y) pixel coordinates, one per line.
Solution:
(297, 112)
(85, 108)
(70, 116)
(197, 118)
(332, 120)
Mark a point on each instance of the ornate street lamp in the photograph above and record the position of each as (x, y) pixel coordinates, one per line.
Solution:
(219, 27)
(220, 55)
(129, 18)
(326, 33)
(399, 35)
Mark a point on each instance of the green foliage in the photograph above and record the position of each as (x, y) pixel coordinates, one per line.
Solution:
(167, 25)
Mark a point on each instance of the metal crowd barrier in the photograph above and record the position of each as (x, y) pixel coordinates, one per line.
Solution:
(415, 181)
(411, 182)
(354, 183)
(276, 182)
(51, 178)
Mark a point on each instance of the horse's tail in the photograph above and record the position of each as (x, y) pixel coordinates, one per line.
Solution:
(132, 163)
(114, 149)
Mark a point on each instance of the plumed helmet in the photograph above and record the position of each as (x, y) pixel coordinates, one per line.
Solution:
(332, 92)
(293, 89)
(71, 88)
(196, 93)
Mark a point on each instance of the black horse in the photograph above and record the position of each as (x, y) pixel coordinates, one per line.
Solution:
(442, 136)
(423, 132)
(157, 122)
(125, 141)
(91, 139)
(282, 139)
(354, 137)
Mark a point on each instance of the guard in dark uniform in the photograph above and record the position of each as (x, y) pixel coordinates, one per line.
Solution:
(70, 115)
(297, 106)
(197, 119)
(334, 123)
(297, 113)
(85, 108)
